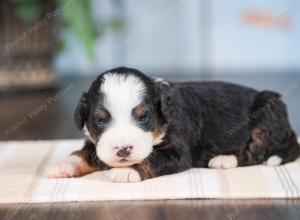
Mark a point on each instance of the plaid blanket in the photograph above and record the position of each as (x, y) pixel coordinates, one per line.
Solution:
(23, 167)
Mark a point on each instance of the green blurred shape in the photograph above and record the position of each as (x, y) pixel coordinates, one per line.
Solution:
(116, 24)
(77, 15)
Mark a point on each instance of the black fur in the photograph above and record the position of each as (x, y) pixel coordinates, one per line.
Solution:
(82, 111)
(204, 120)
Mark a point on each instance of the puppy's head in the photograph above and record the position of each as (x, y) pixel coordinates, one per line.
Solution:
(121, 113)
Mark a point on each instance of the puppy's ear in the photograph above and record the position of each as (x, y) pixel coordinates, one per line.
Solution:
(82, 111)
(165, 100)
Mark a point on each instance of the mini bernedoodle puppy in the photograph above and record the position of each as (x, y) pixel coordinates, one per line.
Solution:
(139, 128)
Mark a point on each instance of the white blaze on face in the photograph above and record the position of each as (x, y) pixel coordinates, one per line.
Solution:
(122, 94)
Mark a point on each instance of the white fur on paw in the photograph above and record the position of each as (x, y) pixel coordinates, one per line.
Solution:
(223, 162)
(70, 167)
(274, 161)
(124, 175)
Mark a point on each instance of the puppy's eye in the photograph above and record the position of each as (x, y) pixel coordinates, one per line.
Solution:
(100, 122)
(101, 117)
(144, 117)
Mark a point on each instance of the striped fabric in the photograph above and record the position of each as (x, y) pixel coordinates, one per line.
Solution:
(23, 179)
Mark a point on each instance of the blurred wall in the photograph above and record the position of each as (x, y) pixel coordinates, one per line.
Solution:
(192, 36)
(256, 35)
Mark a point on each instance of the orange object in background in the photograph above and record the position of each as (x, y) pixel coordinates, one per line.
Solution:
(266, 19)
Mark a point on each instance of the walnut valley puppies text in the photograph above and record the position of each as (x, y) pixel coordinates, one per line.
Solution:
(38, 110)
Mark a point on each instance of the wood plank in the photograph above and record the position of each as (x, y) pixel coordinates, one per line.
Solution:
(169, 210)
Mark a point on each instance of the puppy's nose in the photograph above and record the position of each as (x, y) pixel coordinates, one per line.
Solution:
(124, 151)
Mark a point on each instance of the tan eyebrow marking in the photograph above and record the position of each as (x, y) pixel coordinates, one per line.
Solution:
(101, 113)
(139, 110)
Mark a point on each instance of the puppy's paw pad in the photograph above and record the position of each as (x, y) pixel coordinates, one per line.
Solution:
(223, 162)
(274, 161)
(65, 169)
(124, 175)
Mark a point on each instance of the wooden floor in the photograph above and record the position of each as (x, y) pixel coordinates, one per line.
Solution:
(54, 120)
(143, 210)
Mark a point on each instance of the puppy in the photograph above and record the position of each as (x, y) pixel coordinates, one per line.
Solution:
(139, 128)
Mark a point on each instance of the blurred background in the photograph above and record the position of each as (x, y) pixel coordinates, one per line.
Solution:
(51, 50)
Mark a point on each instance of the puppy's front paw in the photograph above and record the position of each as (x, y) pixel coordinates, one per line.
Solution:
(124, 175)
(73, 166)
(223, 162)
(273, 161)
(63, 170)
